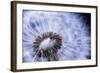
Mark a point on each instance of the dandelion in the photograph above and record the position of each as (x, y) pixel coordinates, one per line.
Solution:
(56, 36)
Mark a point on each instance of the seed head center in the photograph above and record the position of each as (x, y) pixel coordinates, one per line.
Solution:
(47, 43)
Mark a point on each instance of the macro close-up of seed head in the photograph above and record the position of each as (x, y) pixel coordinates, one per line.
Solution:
(56, 36)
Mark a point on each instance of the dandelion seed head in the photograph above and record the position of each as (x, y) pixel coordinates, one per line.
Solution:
(56, 36)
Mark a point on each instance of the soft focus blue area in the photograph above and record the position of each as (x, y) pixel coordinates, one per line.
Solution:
(75, 29)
